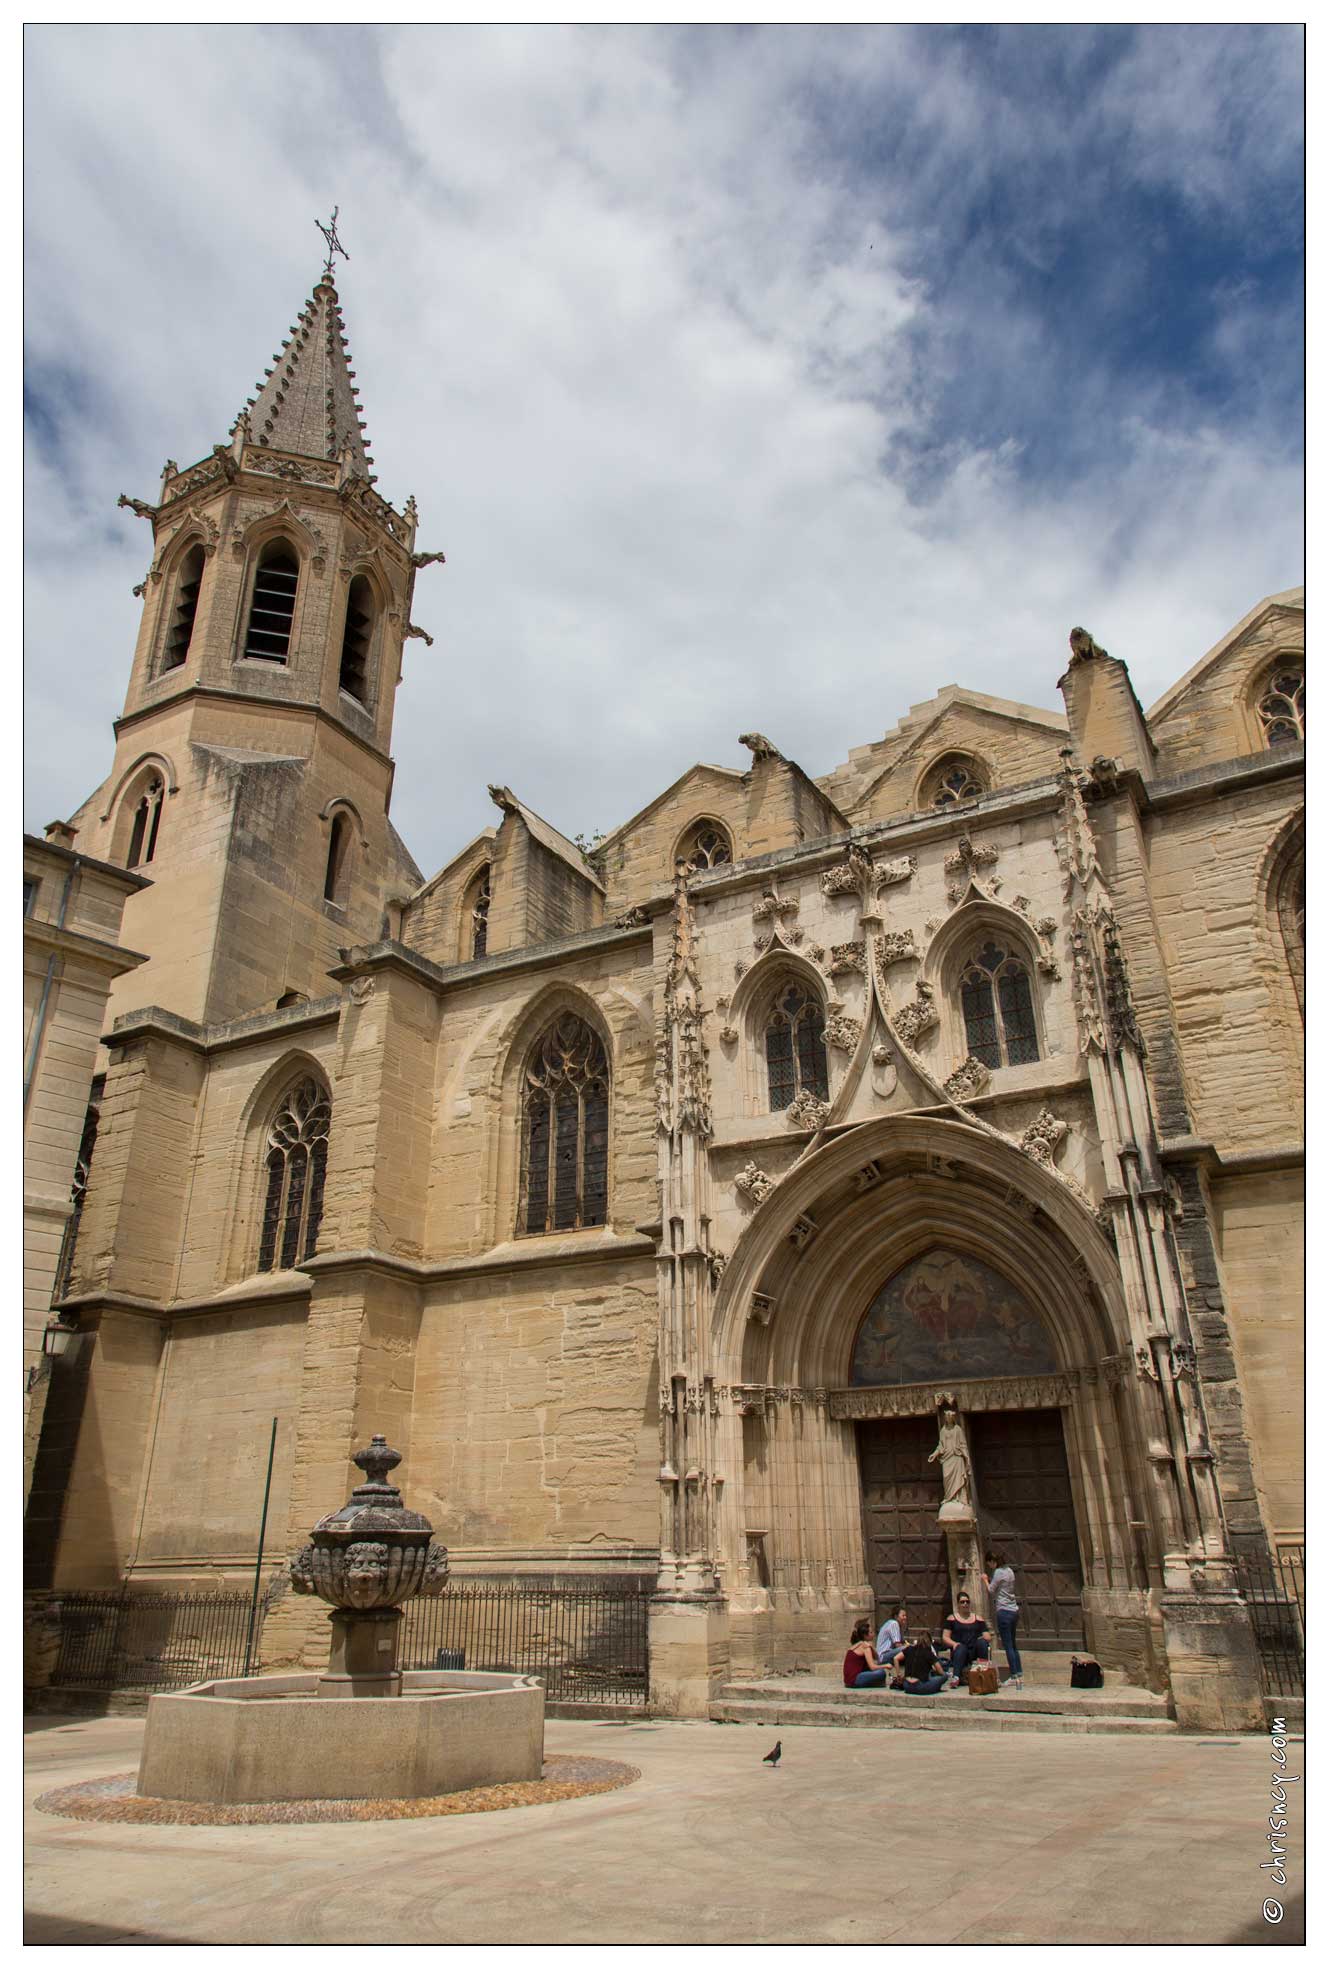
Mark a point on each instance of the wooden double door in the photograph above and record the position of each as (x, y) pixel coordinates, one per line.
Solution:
(1026, 1510)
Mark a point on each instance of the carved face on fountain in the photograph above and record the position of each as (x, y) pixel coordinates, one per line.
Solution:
(373, 1552)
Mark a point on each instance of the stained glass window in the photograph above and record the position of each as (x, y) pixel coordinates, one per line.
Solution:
(707, 846)
(565, 1178)
(997, 1003)
(297, 1161)
(953, 780)
(795, 1048)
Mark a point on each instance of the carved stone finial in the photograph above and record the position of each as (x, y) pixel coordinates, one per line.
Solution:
(759, 746)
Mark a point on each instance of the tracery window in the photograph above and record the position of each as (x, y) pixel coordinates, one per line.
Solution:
(354, 674)
(707, 845)
(997, 1000)
(954, 779)
(479, 912)
(147, 820)
(272, 609)
(1282, 706)
(297, 1162)
(78, 1190)
(181, 632)
(565, 1131)
(796, 1047)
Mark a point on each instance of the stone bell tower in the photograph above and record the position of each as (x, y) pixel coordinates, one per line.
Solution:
(252, 771)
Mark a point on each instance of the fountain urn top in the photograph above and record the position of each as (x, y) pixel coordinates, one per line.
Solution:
(373, 1553)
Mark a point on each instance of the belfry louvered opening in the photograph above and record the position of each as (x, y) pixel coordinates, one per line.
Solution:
(272, 610)
(354, 678)
(181, 632)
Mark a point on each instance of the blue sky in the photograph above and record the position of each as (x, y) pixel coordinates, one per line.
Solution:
(747, 377)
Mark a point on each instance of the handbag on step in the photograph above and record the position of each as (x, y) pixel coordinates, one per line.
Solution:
(982, 1678)
(1085, 1673)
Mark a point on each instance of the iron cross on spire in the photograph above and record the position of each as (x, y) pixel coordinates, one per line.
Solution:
(329, 233)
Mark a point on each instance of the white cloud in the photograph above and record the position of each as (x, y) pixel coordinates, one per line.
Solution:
(638, 348)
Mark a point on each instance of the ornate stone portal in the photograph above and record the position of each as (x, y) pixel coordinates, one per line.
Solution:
(364, 1560)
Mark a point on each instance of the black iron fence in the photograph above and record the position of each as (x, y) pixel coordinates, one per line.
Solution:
(1275, 1593)
(147, 1641)
(586, 1643)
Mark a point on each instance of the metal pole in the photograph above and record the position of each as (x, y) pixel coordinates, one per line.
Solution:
(258, 1563)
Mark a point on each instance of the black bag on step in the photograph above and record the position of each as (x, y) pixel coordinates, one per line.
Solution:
(1085, 1674)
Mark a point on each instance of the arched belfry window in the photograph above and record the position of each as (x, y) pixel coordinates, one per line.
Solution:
(337, 874)
(184, 609)
(476, 914)
(354, 675)
(147, 821)
(954, 778)
(795, 1047)
(272, 609)
(706, 845)
(296, 1164)
(996, 997)
(565, 1130)
(1282, 705)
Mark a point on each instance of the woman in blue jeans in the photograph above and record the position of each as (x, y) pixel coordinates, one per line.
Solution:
(999, 1580)
(862, 1670)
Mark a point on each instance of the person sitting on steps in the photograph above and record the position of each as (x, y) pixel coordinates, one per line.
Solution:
(969, 1636)
(862, 1670)
(893, 1636)
(922, 1672)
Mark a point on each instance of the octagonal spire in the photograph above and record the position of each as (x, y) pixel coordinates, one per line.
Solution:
(307, 402)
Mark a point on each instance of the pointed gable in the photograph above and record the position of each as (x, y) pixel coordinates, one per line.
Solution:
(1008, 743)
(1210, 714)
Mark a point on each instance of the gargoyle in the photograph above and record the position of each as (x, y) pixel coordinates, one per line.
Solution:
(1083, 646)
(423, 634)
(759, 746)
(139, 506)
(423, 560)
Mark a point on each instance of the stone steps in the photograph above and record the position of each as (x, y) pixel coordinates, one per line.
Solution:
(785, 1705)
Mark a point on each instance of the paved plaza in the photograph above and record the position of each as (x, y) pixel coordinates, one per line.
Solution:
(858, 1837)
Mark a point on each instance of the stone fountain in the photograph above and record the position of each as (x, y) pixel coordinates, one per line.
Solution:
(265, 1738)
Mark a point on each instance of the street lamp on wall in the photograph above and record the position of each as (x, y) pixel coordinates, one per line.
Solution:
(56, 1336)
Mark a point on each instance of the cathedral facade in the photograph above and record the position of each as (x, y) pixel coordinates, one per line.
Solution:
(656, 1201)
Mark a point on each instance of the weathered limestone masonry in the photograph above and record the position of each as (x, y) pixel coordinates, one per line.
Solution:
(656, 1198)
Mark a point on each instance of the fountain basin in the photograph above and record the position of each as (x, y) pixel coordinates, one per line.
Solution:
(267, 1738)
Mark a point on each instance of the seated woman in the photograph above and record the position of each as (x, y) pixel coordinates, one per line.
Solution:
(862, 1670)
(922, 1672)
(969, 1636)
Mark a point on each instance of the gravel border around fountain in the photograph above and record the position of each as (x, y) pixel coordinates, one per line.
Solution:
(114, 1800)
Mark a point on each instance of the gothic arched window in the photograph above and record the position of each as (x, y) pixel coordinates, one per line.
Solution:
(181, 632)
(1282, 705)
(476, 913)
(147, 820)
(796, 1047)
(354, 675)
(272, 608)
(78, 1190)
(565, 1131)
(954, 778)
(1291, 903)
(706, 845)
(336, 876)
(997, 1000)
(296, 1163)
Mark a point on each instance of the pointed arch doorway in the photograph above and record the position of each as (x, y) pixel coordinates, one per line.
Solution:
(948, 1324)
